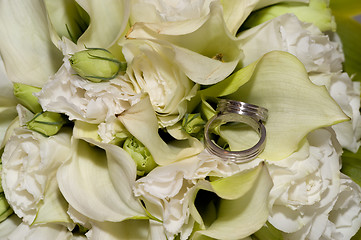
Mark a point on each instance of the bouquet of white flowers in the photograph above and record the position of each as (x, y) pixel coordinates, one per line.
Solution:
(180, 119)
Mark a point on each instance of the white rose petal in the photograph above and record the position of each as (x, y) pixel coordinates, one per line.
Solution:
(347, 94)
(83, 100)
(306, 187)
(168, 10)
(152, 70)
(287, 33)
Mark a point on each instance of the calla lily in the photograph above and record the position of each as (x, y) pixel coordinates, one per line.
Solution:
(97, 182)
(245, 211)
(105, 27)
(40, 232)
(26, 48)
(204, 60)
(316, 12)
(9, 225)
(129, 229)
(289, 97)
(236, 12)
(53, 208)
(140, 120)
(7, 101)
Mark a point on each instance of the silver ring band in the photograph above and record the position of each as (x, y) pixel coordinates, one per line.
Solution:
(236, 111)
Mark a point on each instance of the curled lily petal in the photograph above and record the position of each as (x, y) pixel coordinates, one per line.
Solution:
(236, 12)
(280, 83)
(27, 50)
(241, 216)
(90, 182)
(107, 24)
(141, 122)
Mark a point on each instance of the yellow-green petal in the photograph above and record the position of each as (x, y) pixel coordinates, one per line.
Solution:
(296, 106)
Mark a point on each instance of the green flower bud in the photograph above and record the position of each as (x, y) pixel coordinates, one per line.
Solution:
(5, 209)
(96, 64)
(24, 94)
(193, 123)
(140, 154)
(46, 123)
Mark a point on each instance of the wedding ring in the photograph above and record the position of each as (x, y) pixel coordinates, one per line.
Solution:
(236, 111)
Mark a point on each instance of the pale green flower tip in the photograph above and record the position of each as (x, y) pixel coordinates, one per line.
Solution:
(5, 209)
(140, 154)
(25, 95)
(47, 123)
(317, 13)
(193, 123)
(96, 64)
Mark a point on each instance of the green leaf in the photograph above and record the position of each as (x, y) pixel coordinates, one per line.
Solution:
(351, 165)
(349, 31)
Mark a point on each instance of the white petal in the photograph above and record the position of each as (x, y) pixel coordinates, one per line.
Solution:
(26, 48)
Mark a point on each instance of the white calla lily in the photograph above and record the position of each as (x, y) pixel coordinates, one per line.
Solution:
(97, 182)
(9, 225)
(105, 27)
(53, 208)
(204, 60)
(246, 212)
(289, 96)
(236, 12)
(129, 229)
(140, 120)
(40, 232)
(107, 24)
(26, 48)
(7, 101)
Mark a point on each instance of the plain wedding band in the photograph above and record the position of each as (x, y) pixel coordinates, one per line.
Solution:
(236, 111)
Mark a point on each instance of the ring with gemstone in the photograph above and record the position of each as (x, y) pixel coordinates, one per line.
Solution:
(235, 111)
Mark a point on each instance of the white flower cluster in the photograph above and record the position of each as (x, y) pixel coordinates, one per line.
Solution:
(123, 164)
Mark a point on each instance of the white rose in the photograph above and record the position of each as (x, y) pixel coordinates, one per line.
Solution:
(29, 161)
(152, 70)
(306, 187)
